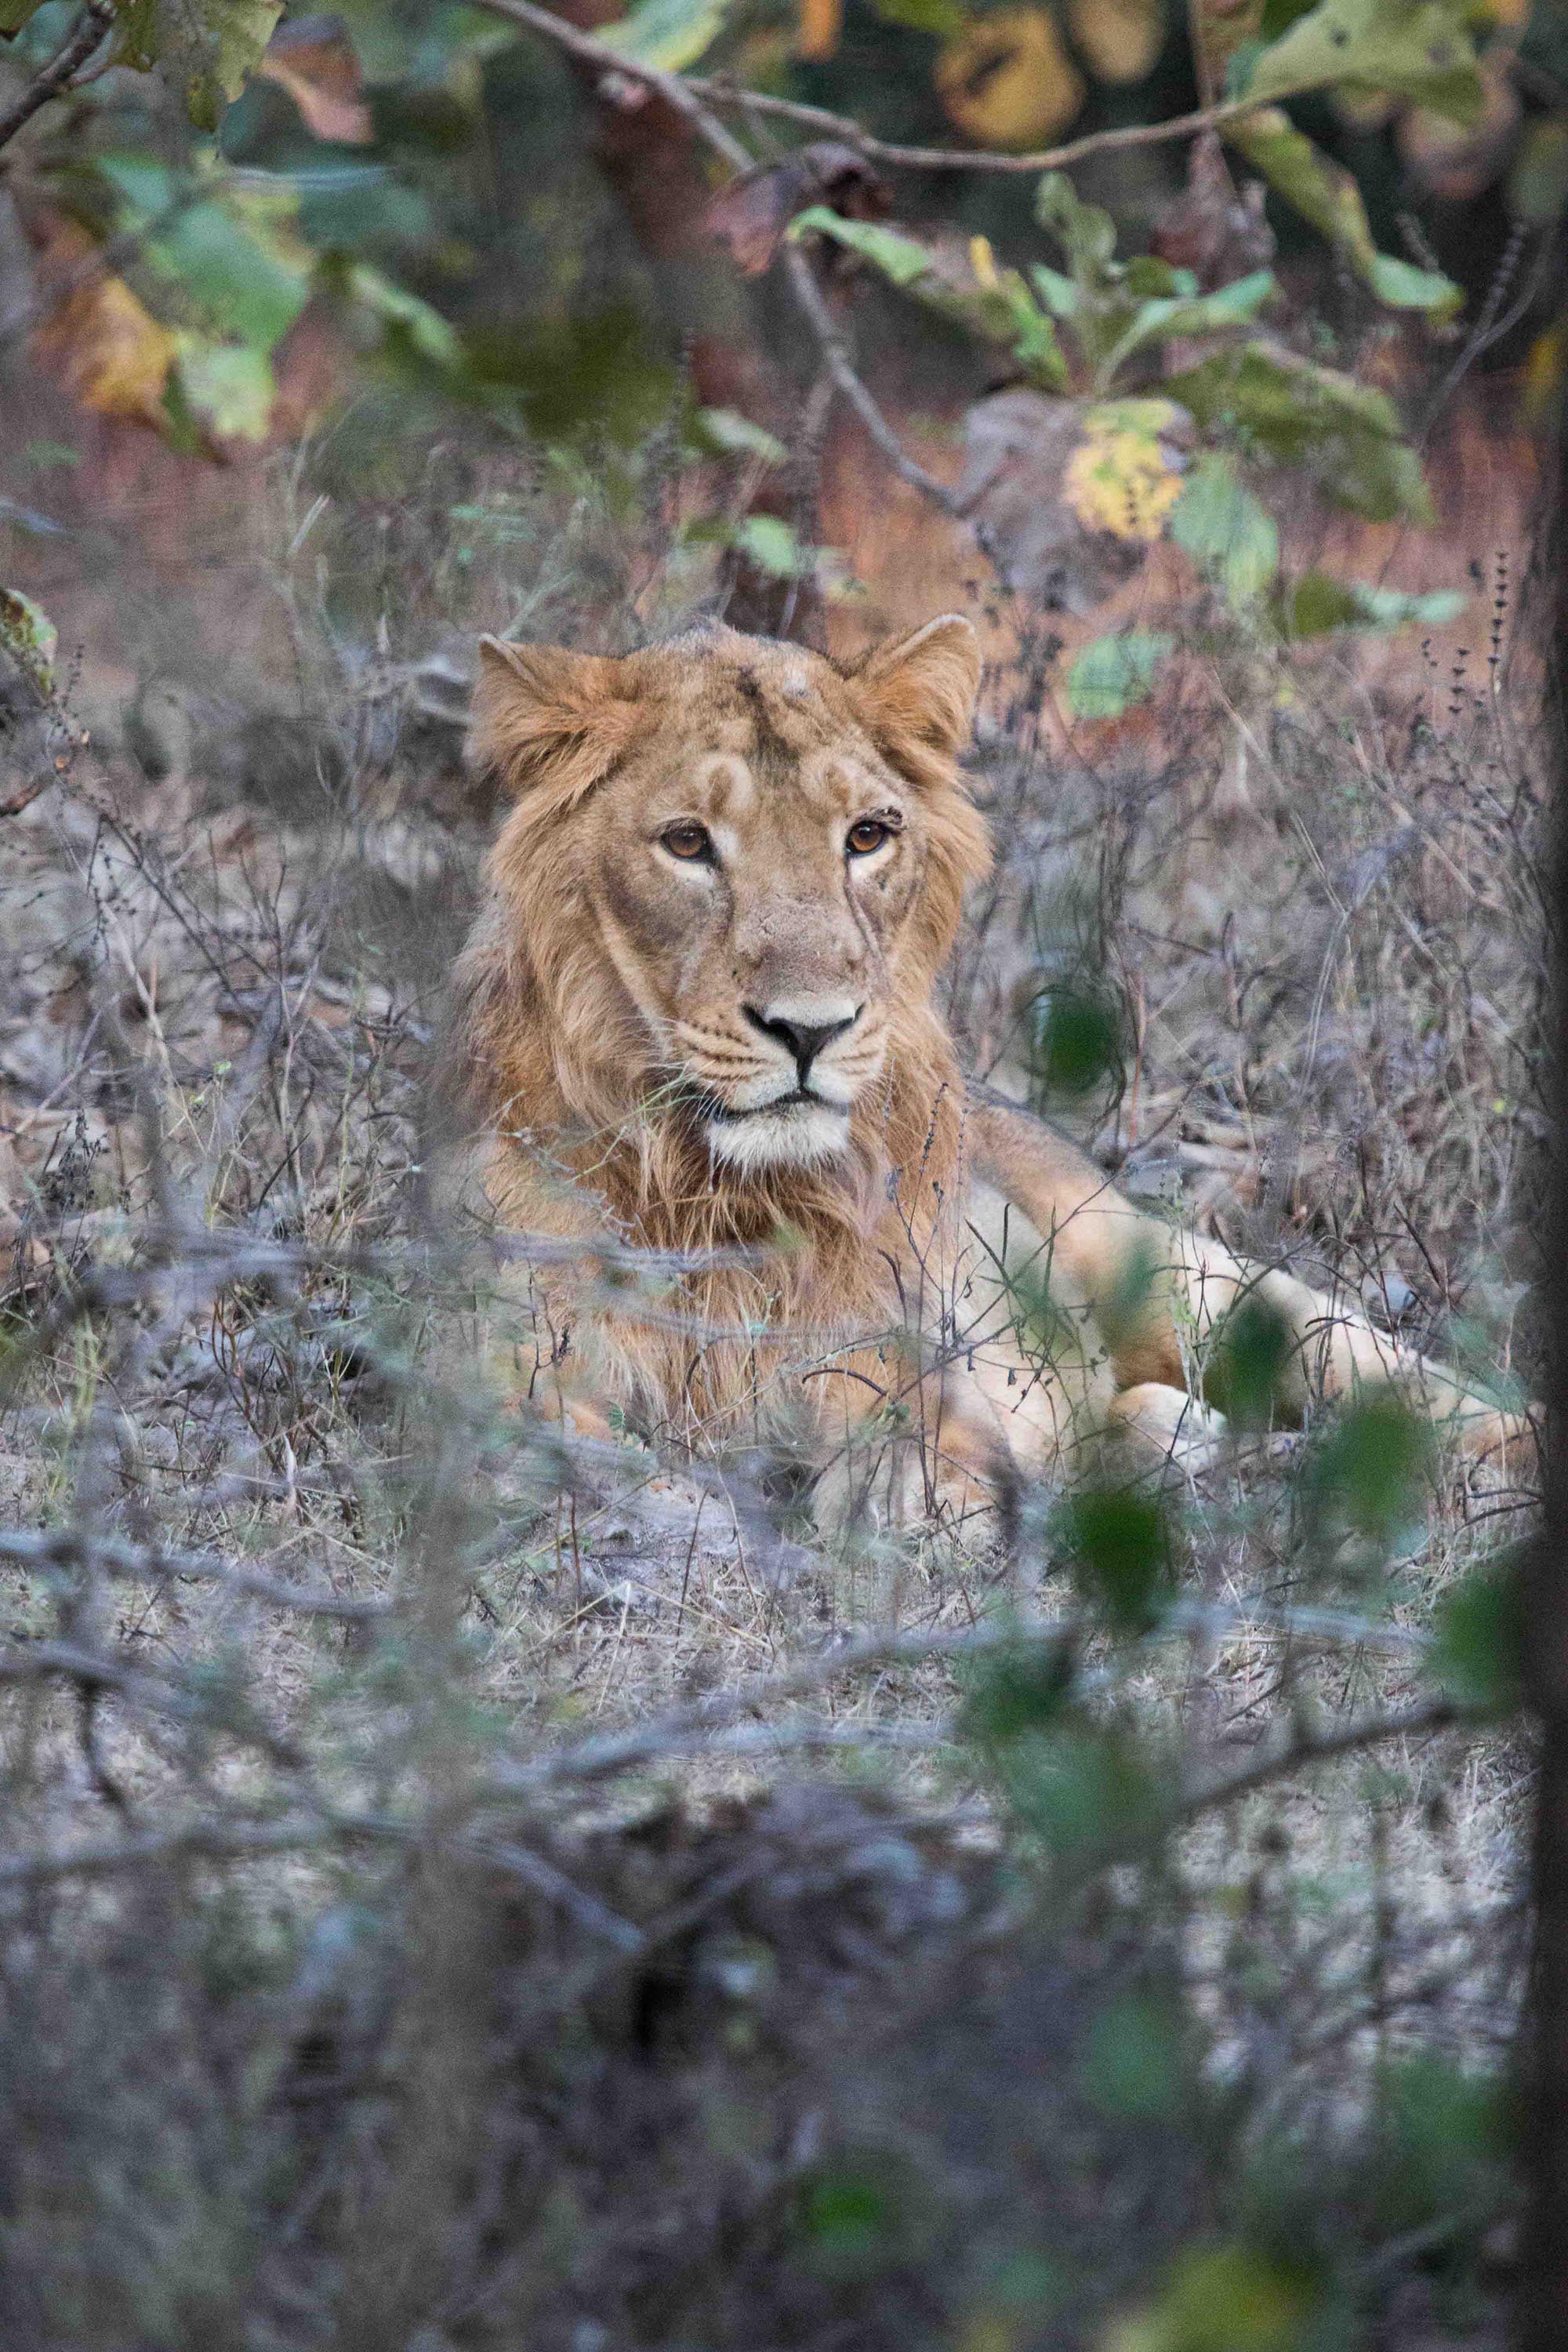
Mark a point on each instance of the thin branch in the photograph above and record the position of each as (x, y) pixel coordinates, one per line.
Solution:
(225, 1840)
(685, 96)
(80, 42)
(1436, 1714)
(215, 1841)
(26, 794)
(684, 1728)
(695, 95)
(973, 159)
(92, 1670)
(28, 1548)
(812, 306)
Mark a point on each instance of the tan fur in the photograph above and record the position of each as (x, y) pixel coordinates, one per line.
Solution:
(872, 1235)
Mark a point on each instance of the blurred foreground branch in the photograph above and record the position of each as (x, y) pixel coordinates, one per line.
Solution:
(82, 40)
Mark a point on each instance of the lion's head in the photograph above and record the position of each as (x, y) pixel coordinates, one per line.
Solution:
(734, 868)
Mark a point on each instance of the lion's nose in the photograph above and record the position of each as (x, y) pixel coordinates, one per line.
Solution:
(805, 1038)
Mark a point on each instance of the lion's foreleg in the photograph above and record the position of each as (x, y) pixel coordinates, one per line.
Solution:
(1315, 1345)
(900, 1444)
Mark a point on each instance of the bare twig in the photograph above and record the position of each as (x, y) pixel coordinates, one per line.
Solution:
(80, 42)
(694, 95)
(973, 159)
(1436, 1714)
(117, 1556)
(813, 307)
(677, 91)
(684, 1728)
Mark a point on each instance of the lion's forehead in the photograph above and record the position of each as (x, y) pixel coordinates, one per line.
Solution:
(756, 761)
(749, 794)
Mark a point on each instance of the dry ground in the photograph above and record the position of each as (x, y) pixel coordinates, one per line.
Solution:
(1309, 886)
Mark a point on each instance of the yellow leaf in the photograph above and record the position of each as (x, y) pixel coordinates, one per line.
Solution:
(109, 352)
(982, 262)
(821, 24)
(1545, 369)
(1125, 476)
(1008, 82)
(1119, 40)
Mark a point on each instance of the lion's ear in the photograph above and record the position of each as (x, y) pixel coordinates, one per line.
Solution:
(918, 691)
(546, 721)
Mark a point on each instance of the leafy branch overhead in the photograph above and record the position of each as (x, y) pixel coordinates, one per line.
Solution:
(205, 49)
(1147, 397)
(1116, 447)
(221, 272)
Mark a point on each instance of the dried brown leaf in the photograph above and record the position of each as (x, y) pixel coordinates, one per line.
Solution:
(750, 216)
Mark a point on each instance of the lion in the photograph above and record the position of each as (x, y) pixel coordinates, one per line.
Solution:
(696, 1031)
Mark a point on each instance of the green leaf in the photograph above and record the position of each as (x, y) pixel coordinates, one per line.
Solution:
(225, 247)
(1479, 1638)
(1087, 1790)
(1075, 1040)
(1346, 434)
(734, 436)
(1085, 234)
(1417, 48)
(1226, 2298)
(1149, 277)
(1228, 533)
(405, 321)
(237, 279)
(671, 34)
(859, 2214)
(1133, 2066)
(1448, 2148)
(29, 637)
(1327, 195)
(1162, 316)
(1404, 287)
(997, 306)
(1062, 296)
(945, 19)
(1537, 182)
(1113, 673)
(1017, 1691)
(1317, 603)
(206, 48)
(772, 547)
(1121, 1551)
(901, 259)
(1247, 1362)
(227, 387)
(1371, 1470)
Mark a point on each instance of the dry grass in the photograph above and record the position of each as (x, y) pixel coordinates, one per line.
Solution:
(275, 1574)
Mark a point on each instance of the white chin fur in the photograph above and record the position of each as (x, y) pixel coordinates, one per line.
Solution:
(800, 1137)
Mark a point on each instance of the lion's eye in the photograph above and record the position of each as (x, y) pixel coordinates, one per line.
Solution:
(868, 835)
(690, 842)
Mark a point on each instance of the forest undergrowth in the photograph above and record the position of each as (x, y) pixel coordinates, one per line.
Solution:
(470, 1888)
